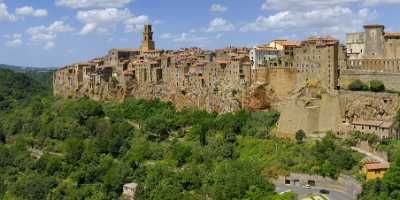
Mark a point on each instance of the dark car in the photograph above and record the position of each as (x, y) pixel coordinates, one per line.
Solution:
(323, 191)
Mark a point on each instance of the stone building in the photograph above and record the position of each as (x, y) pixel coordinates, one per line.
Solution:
(373, 43)
(259, 55)
(148, 42)
(375, 170)
(321, 57)
(286, 76)
(129, 191)
(373, 55)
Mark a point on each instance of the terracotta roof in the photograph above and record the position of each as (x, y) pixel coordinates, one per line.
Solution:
(372, 166)
(222, 62)
(131, 185)
(127, 49)
(266, 47)
(382, 124)
(287, 42)
(325, 38)
(392, 34)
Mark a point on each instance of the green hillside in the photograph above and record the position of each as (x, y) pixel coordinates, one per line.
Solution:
(53, 148)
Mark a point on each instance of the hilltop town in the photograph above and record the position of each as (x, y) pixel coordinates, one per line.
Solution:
(307, 82)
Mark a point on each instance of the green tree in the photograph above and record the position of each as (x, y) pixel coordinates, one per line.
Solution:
(2, 137)
(300, 135)
(181, 153)
(85, 109)
(357, 85)
(73, 149)
(376, 86)
(33, 186)
(391, 178)
(236, 179)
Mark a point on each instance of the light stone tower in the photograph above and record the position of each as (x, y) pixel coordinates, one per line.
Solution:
(374, 41)
(147, 42)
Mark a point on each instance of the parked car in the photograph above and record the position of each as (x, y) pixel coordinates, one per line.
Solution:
(323, 191)
(285, 192)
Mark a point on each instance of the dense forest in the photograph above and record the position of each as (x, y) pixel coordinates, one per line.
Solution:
(54, 148)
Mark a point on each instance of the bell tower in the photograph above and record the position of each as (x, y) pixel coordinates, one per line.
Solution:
(147, 42)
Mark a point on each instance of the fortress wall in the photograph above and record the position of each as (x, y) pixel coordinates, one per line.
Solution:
(295, 115)
(330, 115)
(311, 77)
(282, 80)
(392, 48)
(391, 80)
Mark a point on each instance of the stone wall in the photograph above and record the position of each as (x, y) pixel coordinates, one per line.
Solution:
(331, 112)
(390, 79)
(313, 115)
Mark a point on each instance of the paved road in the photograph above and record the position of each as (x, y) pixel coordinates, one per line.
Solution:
(302, 192)
(370, 155)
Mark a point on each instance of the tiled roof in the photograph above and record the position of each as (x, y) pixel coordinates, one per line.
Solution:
(392, 34)
(287, 42)
(372, 166)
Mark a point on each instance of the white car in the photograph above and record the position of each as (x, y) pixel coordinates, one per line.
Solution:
(307, 186)
(285, 192)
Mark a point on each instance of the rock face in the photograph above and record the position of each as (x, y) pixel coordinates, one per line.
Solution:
(367, 106)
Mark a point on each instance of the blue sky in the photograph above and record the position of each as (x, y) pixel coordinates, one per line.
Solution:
(52, 33)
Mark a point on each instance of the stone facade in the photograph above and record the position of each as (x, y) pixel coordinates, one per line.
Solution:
(291, 77)
(148, 42)
(128, 191)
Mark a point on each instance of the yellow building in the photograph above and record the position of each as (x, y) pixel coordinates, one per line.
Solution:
(375, 170)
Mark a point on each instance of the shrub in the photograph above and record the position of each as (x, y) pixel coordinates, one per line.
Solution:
(357, 85)
(300, 135)
(376, 86)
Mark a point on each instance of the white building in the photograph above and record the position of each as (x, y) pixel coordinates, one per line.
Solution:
(260, 54)
(129, 191)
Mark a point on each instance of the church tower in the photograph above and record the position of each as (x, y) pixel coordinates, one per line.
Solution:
(147, 42)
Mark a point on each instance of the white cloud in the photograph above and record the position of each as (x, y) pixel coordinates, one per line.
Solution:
(219, 25)
(47, 34)
(321, 17)
(77, 4)
(166, 36)
(104, 20)
(303, 4)
(5, 15)
(29, 11)
(184, 38)
(135, 24)
(377, 2)
(189, 38)
(14, 40)
(318, 4)
(218, 8)
(49, 45)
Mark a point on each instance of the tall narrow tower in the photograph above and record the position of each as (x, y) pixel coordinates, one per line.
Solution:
(147, 42)
(374, 41)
